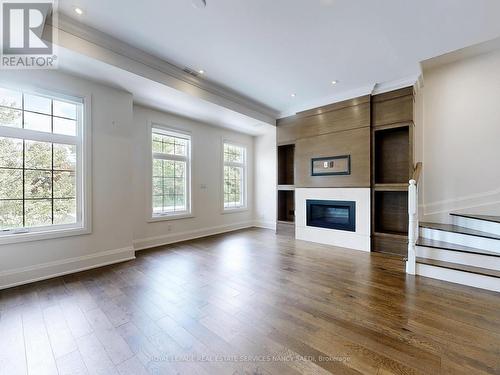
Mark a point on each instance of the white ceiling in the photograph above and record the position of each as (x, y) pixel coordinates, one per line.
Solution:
(268, 49)
(156, 95)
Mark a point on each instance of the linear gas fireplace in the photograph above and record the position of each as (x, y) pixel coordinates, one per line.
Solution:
(340, 215)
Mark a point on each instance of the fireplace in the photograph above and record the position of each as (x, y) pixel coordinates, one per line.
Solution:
(340, 215)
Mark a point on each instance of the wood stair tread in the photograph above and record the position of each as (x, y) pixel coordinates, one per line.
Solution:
(461, 230)
(427, 242)
(494, 219)
(459, 267)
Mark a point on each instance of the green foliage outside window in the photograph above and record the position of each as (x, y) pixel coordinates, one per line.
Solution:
(49, 192)
(37, 179)
(234, 160)
(169, 173)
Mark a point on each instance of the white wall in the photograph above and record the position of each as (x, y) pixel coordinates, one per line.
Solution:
(461, 137)
(111, 238)
(265, 180)
(120, 188)
(206, 181)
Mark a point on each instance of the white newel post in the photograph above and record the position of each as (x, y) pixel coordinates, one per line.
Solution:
(412, 225)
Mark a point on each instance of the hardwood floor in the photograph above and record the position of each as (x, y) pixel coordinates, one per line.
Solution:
(249, 302)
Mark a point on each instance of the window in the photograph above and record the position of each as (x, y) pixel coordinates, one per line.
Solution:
(234, 176)
(41, 163)
(171, 173)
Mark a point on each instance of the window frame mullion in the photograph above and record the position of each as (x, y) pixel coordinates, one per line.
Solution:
(79, 141)
(171, 213)
(171, 157)
(33, 135)
(242, 181)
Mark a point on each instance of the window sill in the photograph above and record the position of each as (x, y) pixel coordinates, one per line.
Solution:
(234, 210)
(6, 239)
(156, 219)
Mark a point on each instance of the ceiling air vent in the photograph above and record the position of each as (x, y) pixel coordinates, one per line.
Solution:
(194, 73)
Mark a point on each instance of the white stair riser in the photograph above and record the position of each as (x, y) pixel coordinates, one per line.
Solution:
(459, 277)
(461, 239)
(482, 225)
(476, 260)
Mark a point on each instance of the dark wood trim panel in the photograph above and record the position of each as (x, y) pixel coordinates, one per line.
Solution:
(336, 129)
(390, 244)
(392, 107)
(355, 143)
(406, 91)
(321, 110)
(342, 119)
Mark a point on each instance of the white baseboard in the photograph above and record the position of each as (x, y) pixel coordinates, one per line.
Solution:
(147, 243)
(43, 271)
(265, 224)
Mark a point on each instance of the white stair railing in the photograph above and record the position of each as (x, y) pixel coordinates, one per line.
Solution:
(413, 225)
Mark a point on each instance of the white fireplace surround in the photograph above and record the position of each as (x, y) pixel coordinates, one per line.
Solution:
(358, 240)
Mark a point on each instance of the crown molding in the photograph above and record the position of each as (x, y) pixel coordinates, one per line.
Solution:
(384, 87)
(419, 85)
(351, 94)
(185, 82)
(492, 45)
(378, 88)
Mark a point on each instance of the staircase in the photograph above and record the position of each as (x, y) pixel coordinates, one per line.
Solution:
(466, 252)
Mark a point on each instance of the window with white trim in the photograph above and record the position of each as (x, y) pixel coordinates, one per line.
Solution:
(235, 164)
(171, 186)
(41, 162)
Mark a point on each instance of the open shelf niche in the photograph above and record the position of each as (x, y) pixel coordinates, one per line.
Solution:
(391, 155)
(286, 168)
(392, 165)
(286, 206)
(390, 218)
(286, 186)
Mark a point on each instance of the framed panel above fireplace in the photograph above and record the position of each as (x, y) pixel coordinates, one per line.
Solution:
(331, 166)
(339, 215)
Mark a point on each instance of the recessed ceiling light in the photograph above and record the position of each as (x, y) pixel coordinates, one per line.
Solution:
(200, 4)
(78, 11)
(293, 95)
(201, 71)
(334, 82)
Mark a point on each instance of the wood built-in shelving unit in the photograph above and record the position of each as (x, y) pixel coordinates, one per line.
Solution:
(392, 165)
(286, 189)
(377, 132)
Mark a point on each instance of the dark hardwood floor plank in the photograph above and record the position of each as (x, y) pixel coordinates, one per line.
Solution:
(61, 339)
(75, 318)
(71, 364)
(12, 349)
(117, 349)
(132, 366)
(94, 356)
(249, 302)
(39, 355)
